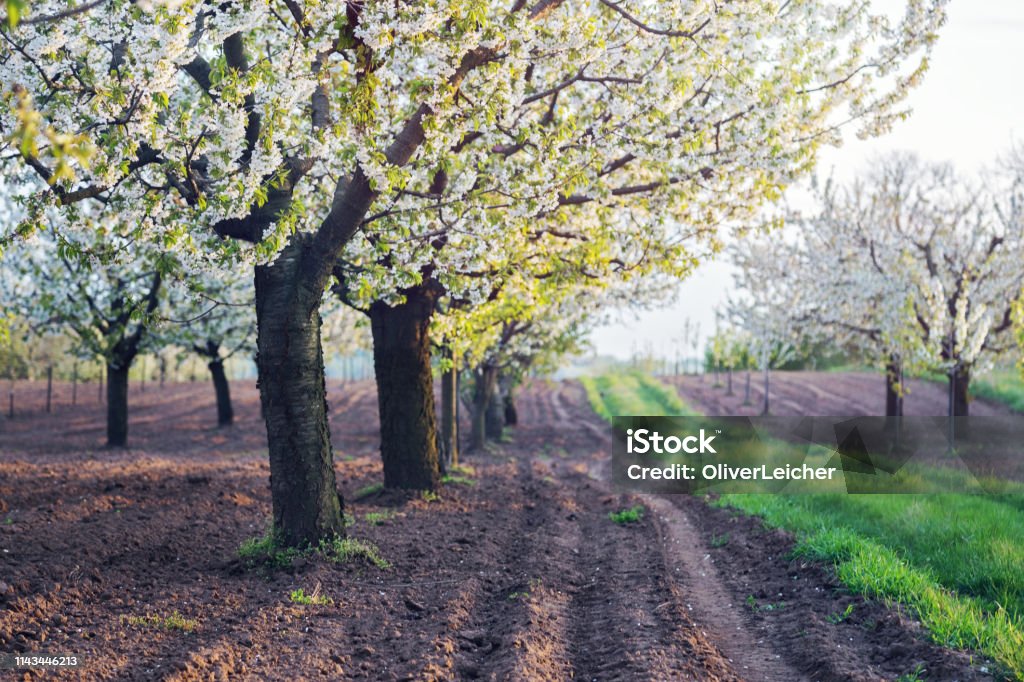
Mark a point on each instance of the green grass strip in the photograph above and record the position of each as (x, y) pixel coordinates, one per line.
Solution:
(955, 560)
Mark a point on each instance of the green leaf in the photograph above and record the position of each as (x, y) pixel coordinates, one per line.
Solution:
(15, 8)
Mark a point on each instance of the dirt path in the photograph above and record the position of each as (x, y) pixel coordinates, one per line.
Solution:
(518, 576)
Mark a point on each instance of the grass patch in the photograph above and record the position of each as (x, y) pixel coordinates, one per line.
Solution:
(175, 621)
(954, 559)
(430, 496)
(457, 480)
(346, 550)
(378, 518)
(367, 490)
(624, 516)
(269, 552)
(632, 393)
(1001, 386)
(299, 596)
(720, 540)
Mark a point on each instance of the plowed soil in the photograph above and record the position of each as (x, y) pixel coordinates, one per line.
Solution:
(826, 394)
(518, 574)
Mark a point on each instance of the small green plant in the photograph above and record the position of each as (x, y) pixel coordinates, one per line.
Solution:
(430, 496)
(299, 596)
(534, 584)
(752, 604)
(175, 621)
(378, 518)
(345, 550)
(268, 551)
(916, 675)
(624, 516)
(458, 480)
(9, 521)
(838, 617)
(720, 540)
(462, 470)
(368, 490)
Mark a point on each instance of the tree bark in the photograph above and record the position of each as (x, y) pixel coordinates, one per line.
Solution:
(225, 413)
(306, 505)
(485, 379)
(49, 389)
(494, 416)
(449, 416)
(117, 403)
(767, 409)
(405, 390)
(511, 413)
(506, 390)
(893, 388)
(961, 378)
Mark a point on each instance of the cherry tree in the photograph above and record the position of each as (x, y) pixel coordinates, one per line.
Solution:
(960, 256)
(273, 135)
(768, 293)
(58, 285)
(911, 264)
(212, 317)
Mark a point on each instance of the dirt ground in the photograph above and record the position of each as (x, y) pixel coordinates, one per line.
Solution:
(518, 576)
(827, 394)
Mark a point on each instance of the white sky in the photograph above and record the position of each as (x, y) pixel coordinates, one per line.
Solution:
(968, 111)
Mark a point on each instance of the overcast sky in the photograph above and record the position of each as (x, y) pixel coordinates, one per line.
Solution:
(968, 111)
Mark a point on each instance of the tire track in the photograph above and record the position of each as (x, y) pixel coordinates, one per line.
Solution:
(698, 593)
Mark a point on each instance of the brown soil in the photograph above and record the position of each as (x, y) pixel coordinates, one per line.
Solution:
(520, 576)
(828, 394)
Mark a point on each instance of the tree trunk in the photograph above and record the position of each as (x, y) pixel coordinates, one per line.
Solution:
(117, 403)
(767, 409)
(449, 417)
(506, 391)
(961, 378)
(49, 389)
(485, 379)
(306, 505)
(405, 390)
(494, 415)
(511, 413)
(893, 388)
(728, 390)
(225, 414)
